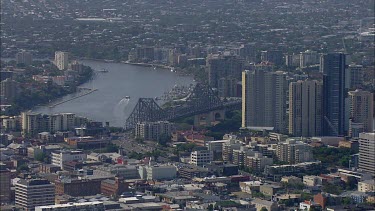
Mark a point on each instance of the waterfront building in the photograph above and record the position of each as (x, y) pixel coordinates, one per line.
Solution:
(334, 91)
(293, 151)
(223, 66)
(367, 152)
(5, 197)
(361, 110)
(305, 108)
(24, 57)
(200, 158)
(153, 130)
(264, 99)
(61, 60)
(34, 192)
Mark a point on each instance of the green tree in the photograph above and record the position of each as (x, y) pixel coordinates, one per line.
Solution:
(263, 209)
(210, 207)
(40, 156)
(164, 139)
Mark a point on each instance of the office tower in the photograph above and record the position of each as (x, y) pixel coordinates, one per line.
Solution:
(264, 99)
(247, 52)
(305, 108)
(293, 151)
(4, 184)
(367, 152)
(34, 192)
(334, 93)
(273, 56)
(361, 109)
(308, 58)
(61, 60)
(292, 60)
(223, 66)
(356, 76)
(9, 90)
(24, 57)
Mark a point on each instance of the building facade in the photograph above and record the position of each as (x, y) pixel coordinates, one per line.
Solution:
(334, 92)
(305, 108)
(58, 158)
(61, 60)
(293, 151)
(5, 185)
(367, 152)
(200, 158)
(153, 130)
(361, 109)
(36, 192)
(24, 57)
(264, 99)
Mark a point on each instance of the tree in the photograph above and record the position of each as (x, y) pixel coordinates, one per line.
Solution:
(40, 156)
(263, 209)
(164, 139)
(210, 207)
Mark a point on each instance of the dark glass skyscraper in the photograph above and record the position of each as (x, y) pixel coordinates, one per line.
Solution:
(334, 93)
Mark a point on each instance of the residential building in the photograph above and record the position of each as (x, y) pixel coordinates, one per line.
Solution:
(367, 152)
(258, 162)
(223, 66)
(269, 205)
(58, 158)
(356, 76)
(366, 186)
(8, 90)
(293, 151)
(273, 56)
(361, 109)
(308, 58)
(5, 197)
(199, 158)
(82, 206)
(125, 171)
(312, 181)
(153, 130)
(24, 57)
(305, 108)
(34, 192)
(334, 91)
(61, 60)
(264, 99)
(227, 87)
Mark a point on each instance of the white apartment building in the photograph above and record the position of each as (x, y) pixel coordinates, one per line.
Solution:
(61, 60)
(294, 151)
(32, 193)
(156, 172)
(58, 158)
(367, 152)
(199, 158)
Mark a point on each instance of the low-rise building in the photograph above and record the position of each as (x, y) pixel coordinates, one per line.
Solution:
(366, 186)
(58, 158)
(82, 206)
(199, 158)
(156, 172)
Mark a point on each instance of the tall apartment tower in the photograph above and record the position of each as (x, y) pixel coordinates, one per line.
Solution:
(367, 152)
(24, 57)
(4, 184)
(334, 93)
(305, 108)
(361, 109)
(356, 76)
(35, 192)
(223, 66)
(61, 60)
(264, 99)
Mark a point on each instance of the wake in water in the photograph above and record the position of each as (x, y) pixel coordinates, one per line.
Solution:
(119, 110)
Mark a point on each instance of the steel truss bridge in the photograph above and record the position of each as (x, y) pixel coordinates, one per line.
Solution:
(201, 100)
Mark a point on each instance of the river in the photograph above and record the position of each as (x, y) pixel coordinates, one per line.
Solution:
(108, 103)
